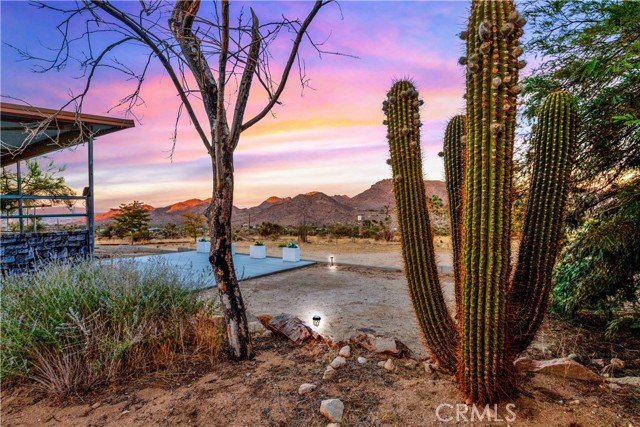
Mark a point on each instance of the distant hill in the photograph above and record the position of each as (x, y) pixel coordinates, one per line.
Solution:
(313, 208)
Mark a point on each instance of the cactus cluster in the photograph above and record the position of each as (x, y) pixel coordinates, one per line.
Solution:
(496, 316)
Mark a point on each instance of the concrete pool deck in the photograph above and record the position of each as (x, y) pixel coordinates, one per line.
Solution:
(197, 263)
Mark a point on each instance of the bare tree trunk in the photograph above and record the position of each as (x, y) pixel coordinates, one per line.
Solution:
(219, 216)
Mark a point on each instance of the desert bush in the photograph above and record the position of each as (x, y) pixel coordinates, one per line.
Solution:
(599, 268)
(74, 325)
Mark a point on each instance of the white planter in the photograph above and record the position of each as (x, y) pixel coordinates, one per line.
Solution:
(204, 247)
(257, 251)
(233, 249)
(291, 254)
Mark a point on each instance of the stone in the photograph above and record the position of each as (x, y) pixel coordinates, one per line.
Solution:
(329, 373)
(564, 368)
(523, 364)
(634, 381)
(332, 409)
(338, 362)
(381, 363)
(429, 367)
(573, 356)
(617, 364)
(293, 328)
(333, 425)
(378, 343)
(96, 405)
(255, 327)
(306, 388)
(598, 362)
(264, 319)
(362, 360)
(614, 387)
(267, 334)
(345, 351)
(389, 365)
(411, 364)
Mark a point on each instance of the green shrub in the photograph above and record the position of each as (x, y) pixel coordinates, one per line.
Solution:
(71, 326)
(599, 269)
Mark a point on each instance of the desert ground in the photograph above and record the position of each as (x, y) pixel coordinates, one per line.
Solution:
(348, 296)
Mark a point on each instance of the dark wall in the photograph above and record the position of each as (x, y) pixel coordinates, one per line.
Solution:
(25, 252)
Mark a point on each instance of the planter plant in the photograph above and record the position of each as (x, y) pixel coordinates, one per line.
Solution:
(291, 252)
(203, 245)
(497, 313)
(258, 250)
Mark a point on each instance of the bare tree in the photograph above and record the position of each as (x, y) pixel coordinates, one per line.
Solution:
(223, 59)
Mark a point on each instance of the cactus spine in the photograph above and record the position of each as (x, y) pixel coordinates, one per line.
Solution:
(553, 146)
(454, 155)
(403, 121)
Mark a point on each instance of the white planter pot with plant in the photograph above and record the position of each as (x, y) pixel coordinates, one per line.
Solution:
(203, 246)
(258, 250)
(291, 253)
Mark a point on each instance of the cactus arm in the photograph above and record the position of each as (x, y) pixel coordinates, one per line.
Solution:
(485, 371)
(454, 158)
(403, 121)
(554, 142)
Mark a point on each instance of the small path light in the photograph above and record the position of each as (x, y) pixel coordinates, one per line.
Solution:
(331, 263)
(316, 320)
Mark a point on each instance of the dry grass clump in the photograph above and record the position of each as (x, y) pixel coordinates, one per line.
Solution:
(73, 326)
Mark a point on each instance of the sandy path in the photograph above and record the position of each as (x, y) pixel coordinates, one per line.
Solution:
(347, 298)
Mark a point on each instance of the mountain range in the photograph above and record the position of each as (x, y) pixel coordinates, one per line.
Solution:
(311, 208)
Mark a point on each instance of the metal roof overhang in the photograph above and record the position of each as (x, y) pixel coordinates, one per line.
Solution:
(63, 131)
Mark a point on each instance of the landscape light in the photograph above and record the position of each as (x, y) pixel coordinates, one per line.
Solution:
(331, 263)
(316, 320)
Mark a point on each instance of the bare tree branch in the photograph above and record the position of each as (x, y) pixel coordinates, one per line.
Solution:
(287, 69)
(133, 26)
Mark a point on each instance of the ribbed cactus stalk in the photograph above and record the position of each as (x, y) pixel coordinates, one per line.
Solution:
(485, 371)
(454, 158)
(403, 123)
(553, 144)
(496, 317)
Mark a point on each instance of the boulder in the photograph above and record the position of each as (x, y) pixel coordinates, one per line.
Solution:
(362, 360)
(306, 388)
(332, 409)
(378, 343)
(293, 328)
(563, 367)
(345, 351)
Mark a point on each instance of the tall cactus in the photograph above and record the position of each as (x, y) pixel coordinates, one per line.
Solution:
(485, 371)
(403, 122)
(553, 144)
(454, 155)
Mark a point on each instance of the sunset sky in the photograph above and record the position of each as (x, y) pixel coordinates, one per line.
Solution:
(331, 139)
